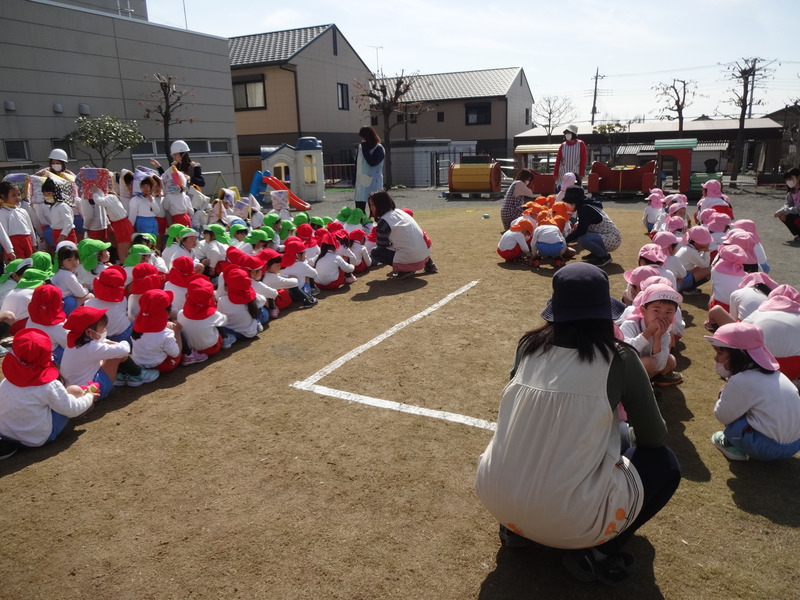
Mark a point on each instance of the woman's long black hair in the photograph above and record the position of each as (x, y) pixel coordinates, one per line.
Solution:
(589, 337)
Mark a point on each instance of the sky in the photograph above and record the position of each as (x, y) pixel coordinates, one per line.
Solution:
(560, 45)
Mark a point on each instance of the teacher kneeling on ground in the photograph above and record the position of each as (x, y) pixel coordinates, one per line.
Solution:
(594, 231)
(562, 470)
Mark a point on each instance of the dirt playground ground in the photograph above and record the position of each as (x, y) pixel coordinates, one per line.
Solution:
(335, 455)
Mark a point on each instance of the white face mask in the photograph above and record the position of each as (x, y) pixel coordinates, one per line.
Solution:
(56, 167)
(722, 371)
(102, 337)
(568, 136)
(791, 183)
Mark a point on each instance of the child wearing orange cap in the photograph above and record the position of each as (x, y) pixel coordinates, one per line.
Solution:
(157, 342)
(242, 305)
(200, 319)
(548, 241)
(90, 356)
(34, 405)
(514, 244)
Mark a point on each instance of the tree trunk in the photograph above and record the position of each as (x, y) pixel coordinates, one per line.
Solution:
(739, 145)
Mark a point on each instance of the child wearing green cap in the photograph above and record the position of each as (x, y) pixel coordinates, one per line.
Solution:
(17, 300)
(94, 256)
(73, 293)
(215, 248)
(238, 232)
(10, 279)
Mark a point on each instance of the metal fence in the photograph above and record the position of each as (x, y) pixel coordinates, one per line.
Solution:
(340, 175)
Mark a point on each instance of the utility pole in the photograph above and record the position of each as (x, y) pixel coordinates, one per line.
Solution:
(752, 87)
(594, 100)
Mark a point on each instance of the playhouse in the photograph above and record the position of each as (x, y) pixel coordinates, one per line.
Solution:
(300, 168)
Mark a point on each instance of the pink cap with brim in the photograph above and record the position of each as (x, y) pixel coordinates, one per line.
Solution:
(639, 274)
(665, 239)
(676, 207)
(654, 280)
(748, 337)
(698, 235)
(713, 188)
(675, 223)
(753, 279)
(747, 225)
(660, 291)
(733, 254)
(783, 298)
(653, 253)
(717, 222)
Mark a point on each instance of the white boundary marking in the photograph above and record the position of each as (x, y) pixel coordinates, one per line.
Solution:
(309, 384)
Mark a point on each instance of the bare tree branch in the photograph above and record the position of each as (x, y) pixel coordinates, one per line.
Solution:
(551, 112)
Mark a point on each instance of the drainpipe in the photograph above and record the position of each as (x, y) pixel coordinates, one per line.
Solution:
(296, 99)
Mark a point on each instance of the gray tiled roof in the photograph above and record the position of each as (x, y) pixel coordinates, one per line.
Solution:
(272, 47)
(465, 84)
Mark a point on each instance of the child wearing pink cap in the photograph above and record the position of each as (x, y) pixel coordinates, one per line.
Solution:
(758, 405)
(653, 210)
(34, 405)
(654, 255)
(753, 291)
(694, 255)
(779, 318)
(647, 330)
(726, 275)
(669, 244)
(718, 225)
(758, 248)
(713, 198)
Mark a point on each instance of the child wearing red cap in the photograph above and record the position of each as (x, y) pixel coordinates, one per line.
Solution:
(178, 279)
(109, 295)
(46, 314)
(293, 264)
(200, 319)
(332, 269)
(90, 356)
(758, 405)
(647, 330)
(362, 260)
(242, 305)
(145, 277)
(287, 287)
(34, 405)
(157, 343)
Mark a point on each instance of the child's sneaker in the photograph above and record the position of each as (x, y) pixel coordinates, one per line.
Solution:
(536, 263)
(228, 340)
(260, 327)
(667, 379)
(350, 279)
(693, 291)
(193, 358)
(558, 263)
(121, 380)
(273, 313)
(310, 302)
(146, 376)
(7, 449)
(730, 451)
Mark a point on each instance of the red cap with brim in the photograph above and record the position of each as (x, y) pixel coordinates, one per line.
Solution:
(109, 286)
(200, 303)
(79, 320)
(46, 306)
(182, 270)
(240, 287)
(145, 277)
(153, 315)
(30, 361)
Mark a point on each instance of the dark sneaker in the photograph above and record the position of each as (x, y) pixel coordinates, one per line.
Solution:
(536, 263)
(405, 274)
(600, 262)
(730, 451)
(7, 449)
(693, 291)
(591, 565)
(430, 268)
(589, 256)
(509, 539)
(667, 379)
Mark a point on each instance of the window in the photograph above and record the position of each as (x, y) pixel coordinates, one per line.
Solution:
(16, 150)
(335, 43)
(527, 116)
(373, 120)
(65, 145)
(248, 93)
(343, 96)
(143, 149)
(400, 117)
(218, 146)
(440, 117)
(478, 114)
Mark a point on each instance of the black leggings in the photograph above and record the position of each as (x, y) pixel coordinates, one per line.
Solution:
(660, 473)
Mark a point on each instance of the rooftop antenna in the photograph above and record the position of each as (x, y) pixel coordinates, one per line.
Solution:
(377, 60)
(185, 22)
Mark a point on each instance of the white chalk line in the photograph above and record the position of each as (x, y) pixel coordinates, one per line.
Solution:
(309, 384)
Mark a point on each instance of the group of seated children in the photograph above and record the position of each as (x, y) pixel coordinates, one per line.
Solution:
(755, 321)
(539, 233)
(87, 325)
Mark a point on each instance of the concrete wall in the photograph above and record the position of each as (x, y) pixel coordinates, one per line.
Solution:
(51, 54)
